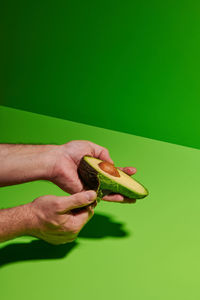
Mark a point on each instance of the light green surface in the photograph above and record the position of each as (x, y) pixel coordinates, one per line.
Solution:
(149, 250)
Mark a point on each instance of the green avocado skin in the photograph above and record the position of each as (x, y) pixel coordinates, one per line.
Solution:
(106, 183)
(92, 179)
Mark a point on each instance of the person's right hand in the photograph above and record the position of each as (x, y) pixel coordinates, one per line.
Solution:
(58, 220)
(64, 161)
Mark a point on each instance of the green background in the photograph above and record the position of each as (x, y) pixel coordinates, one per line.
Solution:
(131, 66)
(144, 251)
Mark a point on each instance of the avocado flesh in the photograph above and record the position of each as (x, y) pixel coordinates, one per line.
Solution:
(95, 178)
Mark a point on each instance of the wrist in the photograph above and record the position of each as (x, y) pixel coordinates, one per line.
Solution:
(14, 222)
(30, 220)
(55, 159)
(48, 157)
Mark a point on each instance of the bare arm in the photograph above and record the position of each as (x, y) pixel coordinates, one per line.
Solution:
(43, 217)
(22, 163)
(56, 163)
(50, 218)
(14, 222)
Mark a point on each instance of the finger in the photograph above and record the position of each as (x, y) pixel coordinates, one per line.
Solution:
(83, 216)
(73, 183)
(69, 180)
(104, 155)
(113, 198)
(118, 198)
(129, 170)
(60, 241)
(77, 200)
(79, 209)
(101, 152)
(94, 204)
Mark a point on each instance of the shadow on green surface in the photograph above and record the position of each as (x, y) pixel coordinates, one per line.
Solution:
(100, 226)
(35, 250)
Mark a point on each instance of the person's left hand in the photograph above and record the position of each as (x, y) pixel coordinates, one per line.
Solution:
(66, 161)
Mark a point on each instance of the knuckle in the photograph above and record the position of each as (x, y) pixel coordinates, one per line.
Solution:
(69, 229)
(75, 230)
(64, 228)
(41, 198)
(60, 169)
(105, 150)
(72, 227)
(61, 230)
(57, 204)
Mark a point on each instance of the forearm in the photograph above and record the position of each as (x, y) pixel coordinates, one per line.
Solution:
(22, 163)
(14, 222)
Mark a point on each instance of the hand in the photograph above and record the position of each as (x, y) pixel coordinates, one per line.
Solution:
(58, 220)
(66, 161)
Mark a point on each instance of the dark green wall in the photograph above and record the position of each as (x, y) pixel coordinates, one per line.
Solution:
(132, 66)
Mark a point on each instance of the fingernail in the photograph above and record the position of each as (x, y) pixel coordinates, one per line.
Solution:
(91, 195)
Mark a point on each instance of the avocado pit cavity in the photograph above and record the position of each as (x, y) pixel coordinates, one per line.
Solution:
(109, 168)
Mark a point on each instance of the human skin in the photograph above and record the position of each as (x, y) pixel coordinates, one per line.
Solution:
(50, 218)
(58, 164)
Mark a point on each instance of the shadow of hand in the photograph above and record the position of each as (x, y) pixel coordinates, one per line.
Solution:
(100, 226)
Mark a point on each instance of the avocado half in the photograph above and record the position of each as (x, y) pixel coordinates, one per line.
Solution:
(93, 177)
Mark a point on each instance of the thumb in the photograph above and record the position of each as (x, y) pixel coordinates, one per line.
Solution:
(77, 200)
